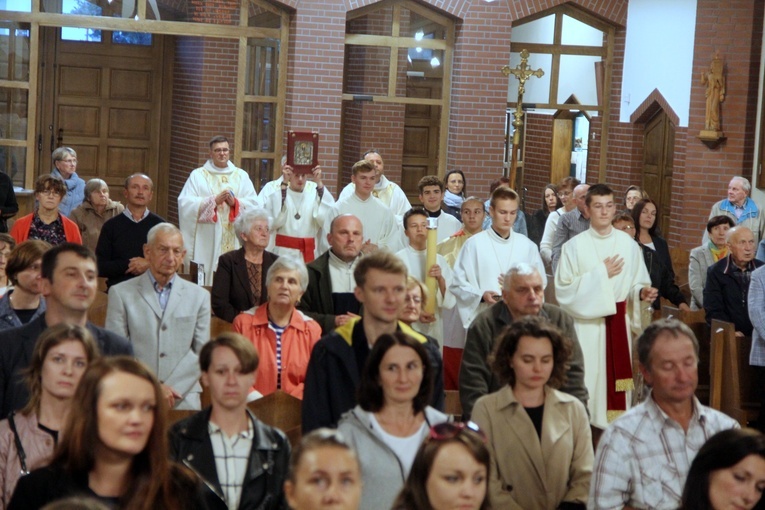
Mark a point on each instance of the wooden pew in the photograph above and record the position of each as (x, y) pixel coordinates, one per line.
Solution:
(452, 404)
(696, 320)
(732, 378)
(97, 310)
(282, 411)
(278, 410)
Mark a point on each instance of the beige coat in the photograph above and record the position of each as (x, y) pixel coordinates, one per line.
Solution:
(90, 222)
(528, 474)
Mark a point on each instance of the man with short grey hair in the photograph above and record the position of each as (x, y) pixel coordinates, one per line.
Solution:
(166, 318)
(740, 208)
(522, 295)
(644, 456)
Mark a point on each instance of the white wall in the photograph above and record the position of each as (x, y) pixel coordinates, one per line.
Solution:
(659, 54)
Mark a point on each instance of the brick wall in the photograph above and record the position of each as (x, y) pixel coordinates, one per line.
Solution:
(734, 29)
(204, 86)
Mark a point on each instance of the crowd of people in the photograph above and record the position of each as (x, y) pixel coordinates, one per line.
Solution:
(367, 309)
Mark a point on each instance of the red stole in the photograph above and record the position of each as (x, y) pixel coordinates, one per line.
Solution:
(618, 363)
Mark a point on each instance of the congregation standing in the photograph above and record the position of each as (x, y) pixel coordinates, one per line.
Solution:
(334, 303)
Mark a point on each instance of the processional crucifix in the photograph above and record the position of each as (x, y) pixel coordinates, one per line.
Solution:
(523, 73)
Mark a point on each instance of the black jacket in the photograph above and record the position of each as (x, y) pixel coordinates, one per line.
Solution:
(266, 468)
(662, 278)
(333, 375)
(17, 346)
(51, 483)
(317, 300)
(726, 294)
(231, 293)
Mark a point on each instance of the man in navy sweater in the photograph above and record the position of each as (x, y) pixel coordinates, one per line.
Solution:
(120, 245)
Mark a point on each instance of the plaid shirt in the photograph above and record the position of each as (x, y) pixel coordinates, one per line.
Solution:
(756, 303)
(231, 456)
(644, 456)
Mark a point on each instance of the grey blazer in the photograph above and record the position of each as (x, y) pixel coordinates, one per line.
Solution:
(700, 260)
(169, 342)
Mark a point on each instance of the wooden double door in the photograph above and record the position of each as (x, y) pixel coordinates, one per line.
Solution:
(108, 101)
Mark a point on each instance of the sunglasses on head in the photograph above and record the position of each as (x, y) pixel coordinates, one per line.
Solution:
(450, 430)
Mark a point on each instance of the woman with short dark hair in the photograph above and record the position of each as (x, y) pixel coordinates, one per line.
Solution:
(705, 255)
(392, 417)
(46, 222)
(539, 437)
(23, 302)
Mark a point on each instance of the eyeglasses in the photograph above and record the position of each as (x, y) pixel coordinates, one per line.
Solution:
(450, 430)
(563, 194)
(48, 192)
(413, 299)
(69, 161)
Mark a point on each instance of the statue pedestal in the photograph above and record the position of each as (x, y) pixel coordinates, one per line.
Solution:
(711, 138)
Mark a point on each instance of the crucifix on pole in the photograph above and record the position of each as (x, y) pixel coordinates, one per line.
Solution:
(523, 73)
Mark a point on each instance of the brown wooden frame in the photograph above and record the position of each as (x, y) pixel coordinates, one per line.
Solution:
(556, 49)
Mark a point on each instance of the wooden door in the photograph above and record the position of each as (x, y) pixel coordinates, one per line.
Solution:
(104, 100)
(658, 163)
(421, 131)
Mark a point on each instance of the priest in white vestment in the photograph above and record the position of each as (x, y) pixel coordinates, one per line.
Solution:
(431, 190)
(388, 192)
(414, 256)
(487, 256)
(602, 281)
(212, 198)
(380, 227)
(455, 333)
(299, 214)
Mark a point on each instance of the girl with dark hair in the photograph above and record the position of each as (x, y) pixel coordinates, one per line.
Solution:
(450, 470)
(454, 194)
(727, 473)
(116, 449)
(392, 417)
(27, 438)
(551, 203)
(539, 437)
(656, 254)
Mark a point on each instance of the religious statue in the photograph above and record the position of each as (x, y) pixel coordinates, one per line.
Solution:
(715, 93)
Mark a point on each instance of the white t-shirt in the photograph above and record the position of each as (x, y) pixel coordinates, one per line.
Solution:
(405, 448)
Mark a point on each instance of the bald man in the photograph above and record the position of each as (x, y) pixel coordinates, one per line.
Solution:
(727, 288)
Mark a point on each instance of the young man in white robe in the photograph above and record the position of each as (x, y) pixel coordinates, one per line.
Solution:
(299, 214)
(414, 256)
(455, 333)
(275, 185)
(602, 281)
(487, 256)
(212, 198)
(380, 227)
(431, 190)
(389, 193)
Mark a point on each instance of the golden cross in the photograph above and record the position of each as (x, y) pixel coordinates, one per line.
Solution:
(522, 72)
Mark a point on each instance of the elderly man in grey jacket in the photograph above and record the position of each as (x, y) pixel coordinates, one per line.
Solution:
(522, 295)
